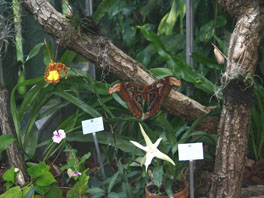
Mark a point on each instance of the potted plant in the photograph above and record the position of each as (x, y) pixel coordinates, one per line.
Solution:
(166, 177)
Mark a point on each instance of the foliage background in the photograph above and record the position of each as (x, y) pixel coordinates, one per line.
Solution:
(152, 32)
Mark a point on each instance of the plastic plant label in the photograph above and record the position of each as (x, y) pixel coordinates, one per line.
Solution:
(92, 125)
(190, 151)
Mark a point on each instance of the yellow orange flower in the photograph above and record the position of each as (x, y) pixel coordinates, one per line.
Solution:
(53, 72)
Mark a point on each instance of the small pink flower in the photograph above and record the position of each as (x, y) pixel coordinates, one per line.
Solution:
(58, 136)
(76, 174)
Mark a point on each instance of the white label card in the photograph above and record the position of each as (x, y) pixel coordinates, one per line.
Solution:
(191, 151)
(92, 125)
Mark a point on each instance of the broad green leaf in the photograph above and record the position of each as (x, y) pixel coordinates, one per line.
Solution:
(168, 185)
(161, 120)
(42, 190)
(30, 193)
(207, 31)
(35, 171)
(179, 67)
(27, 193)
(103, 9)
(5, 140)
(54, 192)
(158, 175)
(43, 166)
(68, 57)
(14, 192)
(45, 179)
(129, 34)
(9, 175)
(220, 21)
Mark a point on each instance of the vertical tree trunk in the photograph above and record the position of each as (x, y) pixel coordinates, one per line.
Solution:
(235, 119)
(15, 156)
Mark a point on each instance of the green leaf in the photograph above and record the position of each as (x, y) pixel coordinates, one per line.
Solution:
(207, 31)
(9, 184)
(27, 193)
(206, 61)
(129, 34)
(45, 179)
(9, 175)
(103, 9)
(14, 192)
(34, 52)
(161, 72)
(13, 107)
(117, 195)
(158, 175)
(161, 120)
(84, 158)
(112, 182)
(220, 21)
(43, 166)
(79, 189)
(35, 171)
(95, 190)
(5, 140)
(79, 103)
(179, 67)
(31, 143)
(172, 18)
(67, 57)
(55, 192)
(120, 142)
(30, 192)
(42, 190)
(168, 190)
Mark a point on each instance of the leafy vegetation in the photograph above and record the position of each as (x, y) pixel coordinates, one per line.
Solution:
(152, 32)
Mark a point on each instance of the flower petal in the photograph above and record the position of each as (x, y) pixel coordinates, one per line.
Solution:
(62, 134)
(146, 138)
(165, 157)
(76, 174)
(156, 144)
(139, 145)
(149, 157)
(56, 139)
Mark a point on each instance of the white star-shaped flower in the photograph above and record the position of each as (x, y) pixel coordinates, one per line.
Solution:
(151, 149)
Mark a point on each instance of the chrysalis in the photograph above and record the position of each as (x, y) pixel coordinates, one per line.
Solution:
(218, 56)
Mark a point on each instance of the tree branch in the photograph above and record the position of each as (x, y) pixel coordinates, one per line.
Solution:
(106, 56)
(235, 119)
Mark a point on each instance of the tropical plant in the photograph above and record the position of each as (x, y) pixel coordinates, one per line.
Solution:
(256, 139)
(128, 181)
(42, 182)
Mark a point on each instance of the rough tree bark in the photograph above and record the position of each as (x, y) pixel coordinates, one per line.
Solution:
(108, 57)
(235, 118)
(15, 156)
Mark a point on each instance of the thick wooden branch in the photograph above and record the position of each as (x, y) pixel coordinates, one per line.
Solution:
(106, 56)
(235, 119)
(15, 156)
